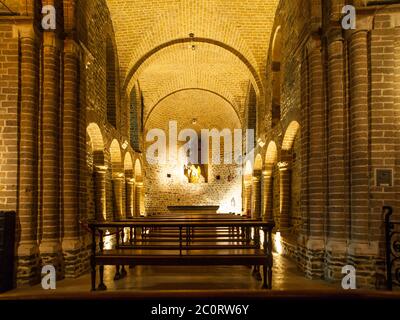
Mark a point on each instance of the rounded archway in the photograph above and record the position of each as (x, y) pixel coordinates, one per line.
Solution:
(271, 156)
(276, 67)
(290, 135)
(270, 186)
(96, 177)
(116, 158)
(139, 191)
(289, 178)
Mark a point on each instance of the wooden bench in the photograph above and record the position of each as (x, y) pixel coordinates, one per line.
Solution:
(184, 250)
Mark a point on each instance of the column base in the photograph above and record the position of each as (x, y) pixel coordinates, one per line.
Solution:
(369, 266)
(28, 265)
(76, 254)
(51, 254)
(311, 253)
(335, 259)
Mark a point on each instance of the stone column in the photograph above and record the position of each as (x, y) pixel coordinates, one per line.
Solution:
(284, 178)
(100, 192)
(70, 142)
(28, 253)
(268, 195)
(359, 127)
(138, 198)
(247, 198)
(337, 140)
(130, 187)
(305, 150)
(50, 247)
(118, 185)
(316, 169)
(337, 154)
(256, 191)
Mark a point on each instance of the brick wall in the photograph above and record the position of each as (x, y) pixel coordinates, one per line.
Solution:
(9, 80)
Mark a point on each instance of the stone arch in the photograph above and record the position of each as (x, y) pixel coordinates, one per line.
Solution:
(247, 181)
(290, 135)
(117, 171)
(116, 157)
(95, 143)
(248, 169)
(258, 163)
(128, 165)
(271, 156)
(96, 178)
(138, 171)
(276, 69)
(129, 185)
(256, 188)
(286, 180)
(139, 191)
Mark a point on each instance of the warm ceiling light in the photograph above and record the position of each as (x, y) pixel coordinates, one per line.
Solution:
(194, 121)
(192, 45)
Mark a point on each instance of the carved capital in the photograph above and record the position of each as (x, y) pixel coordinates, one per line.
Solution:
(72, 47)
(283, 165)
(100, 169)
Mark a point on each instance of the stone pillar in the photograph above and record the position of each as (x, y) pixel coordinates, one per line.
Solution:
(247, 198)
(118, 185)
(305, 150)
(70, 142)
(28, 252)
(316, 163)
(138, 198)
(316, 170)
(337, 158)
(100, 192)
(130, 195)
(284, 178)
(256, 191)
(362, 252)
(359, 127)
(50, 247)
(268, 195)
(337, 140)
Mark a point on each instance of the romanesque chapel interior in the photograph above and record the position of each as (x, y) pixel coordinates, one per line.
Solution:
(105, 164)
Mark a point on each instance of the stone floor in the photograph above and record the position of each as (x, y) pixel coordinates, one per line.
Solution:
(146, 279)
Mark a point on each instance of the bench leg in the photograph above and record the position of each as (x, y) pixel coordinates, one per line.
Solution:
(93, 274)
(123, 272)
(117, 274)
(256, 273)
(265, 279)
(102, 286)
(269, 278)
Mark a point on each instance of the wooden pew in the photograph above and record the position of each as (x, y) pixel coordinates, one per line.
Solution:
(184, 251)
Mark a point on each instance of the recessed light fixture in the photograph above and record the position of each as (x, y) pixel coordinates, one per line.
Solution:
(194, 121)
(192, 45)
